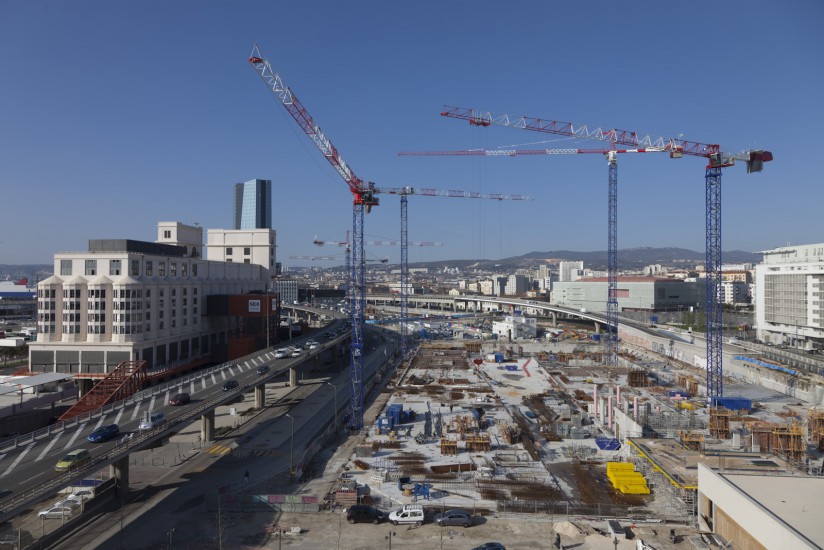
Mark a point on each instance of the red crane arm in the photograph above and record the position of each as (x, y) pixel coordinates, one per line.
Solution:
(361, 193)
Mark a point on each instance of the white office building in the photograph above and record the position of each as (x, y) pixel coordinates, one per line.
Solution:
(570, 271)
(516, 326)
(287, 289)
(789, 296)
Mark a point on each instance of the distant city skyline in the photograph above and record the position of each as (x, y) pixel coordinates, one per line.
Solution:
(158, 113)
(253, 205)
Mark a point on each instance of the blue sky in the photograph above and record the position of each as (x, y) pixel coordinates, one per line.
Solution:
(116, 115)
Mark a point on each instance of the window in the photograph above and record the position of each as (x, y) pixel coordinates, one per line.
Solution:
(247, 261)
(148, 268)
(135, 271)
(184, 270)
(229, 251)
(194, 270)
(65, 267)
(91, 267)
(173, 269)
(161, 269)
(114, 267)
(247, 251)
(167, 234)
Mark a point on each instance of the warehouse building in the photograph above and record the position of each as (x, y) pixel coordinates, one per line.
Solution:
(634, 294)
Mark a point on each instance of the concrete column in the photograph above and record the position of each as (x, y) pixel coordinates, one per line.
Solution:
(609, 412)
(595, 400)
(84, 385)
(120, 471)
(260, 396)
(207, 426)
(618, 397)
(597, 328)
(293, 377)
(635, 408)
(554, 315)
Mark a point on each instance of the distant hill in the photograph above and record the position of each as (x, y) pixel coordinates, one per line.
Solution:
(628, 258)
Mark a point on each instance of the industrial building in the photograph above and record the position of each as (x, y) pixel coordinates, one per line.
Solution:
(634, 294)
(126, 300)
(789, 284)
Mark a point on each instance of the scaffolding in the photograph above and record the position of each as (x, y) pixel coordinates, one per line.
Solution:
(449, 447)
(478, 443)
(788, 442)
(669, 423)
(692, 439)
(720, 422)
(637, 379)
(815, 427)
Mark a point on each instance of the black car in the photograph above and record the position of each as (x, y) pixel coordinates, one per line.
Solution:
(454, 517)
(490, 546)
(263, 369)
(180, 399)
(230, 385)
(364, 514)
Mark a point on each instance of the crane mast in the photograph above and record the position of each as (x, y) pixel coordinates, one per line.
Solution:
(716, 161)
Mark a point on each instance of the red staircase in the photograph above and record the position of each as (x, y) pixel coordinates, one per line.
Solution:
(121, 383)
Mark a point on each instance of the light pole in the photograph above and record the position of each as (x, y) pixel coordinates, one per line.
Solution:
(389, 538)
(336, 402)
(291, 446)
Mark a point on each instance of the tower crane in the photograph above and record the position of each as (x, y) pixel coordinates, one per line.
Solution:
(716, 161)
(364, 197)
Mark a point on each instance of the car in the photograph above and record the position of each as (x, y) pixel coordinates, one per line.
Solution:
(263, 369)
(69, 502)
(280, 353)
(230, 385)
(104, 433)
(314, 345)
(151, 420)
(457, 516)
(74, 459)
(361, 513)
(81, 494)
(180, 399)
(56, 512)
(296, 353)
(410, 513)
(490, 546)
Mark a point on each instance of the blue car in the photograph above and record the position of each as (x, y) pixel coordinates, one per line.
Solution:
(104, 433)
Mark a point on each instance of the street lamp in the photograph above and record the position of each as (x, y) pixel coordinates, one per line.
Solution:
(291, 446)
(336, 402)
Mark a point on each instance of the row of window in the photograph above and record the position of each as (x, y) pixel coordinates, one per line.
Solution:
(134, 268)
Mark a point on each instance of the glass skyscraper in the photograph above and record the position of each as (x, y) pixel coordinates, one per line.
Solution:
(253, 205)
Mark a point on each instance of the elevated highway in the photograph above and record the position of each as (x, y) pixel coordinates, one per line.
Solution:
(27, 462)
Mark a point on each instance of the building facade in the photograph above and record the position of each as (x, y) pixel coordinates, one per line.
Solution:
(789, 296)
(634, 294)
(247, 246)
(126, 300)
(570, 271)
(253, 205)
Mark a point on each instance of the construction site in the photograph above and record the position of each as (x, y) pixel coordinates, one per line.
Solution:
(496, 428)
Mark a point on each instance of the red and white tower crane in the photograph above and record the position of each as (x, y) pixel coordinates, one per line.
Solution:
(364, 197)
(717, 159)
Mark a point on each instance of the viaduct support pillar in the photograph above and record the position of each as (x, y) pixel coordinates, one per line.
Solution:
(293, 377)
(84, 386)
(597, 328)
(120, 472)
(207, 427)
(260, 396)
(554, 318)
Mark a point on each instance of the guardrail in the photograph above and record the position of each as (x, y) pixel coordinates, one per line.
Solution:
(31, 437)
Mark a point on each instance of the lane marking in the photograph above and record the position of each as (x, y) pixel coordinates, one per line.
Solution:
(119, 414)
(45, 451)
(77, 433)
(18, 459)
(136, 408)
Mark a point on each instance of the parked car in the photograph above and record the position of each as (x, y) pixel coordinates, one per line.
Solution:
(490, 546)
(410, 513)
(74, 459)
(180, 399)
(69, 502)
(104, 433)
(81, 494)
(454, 517)
(364, 514)
(263, 369)
(56, 512)
(230, 385)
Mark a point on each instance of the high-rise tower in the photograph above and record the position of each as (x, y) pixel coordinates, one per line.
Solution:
(253, 205)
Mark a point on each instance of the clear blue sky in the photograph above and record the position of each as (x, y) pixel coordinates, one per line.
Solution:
(115, 115)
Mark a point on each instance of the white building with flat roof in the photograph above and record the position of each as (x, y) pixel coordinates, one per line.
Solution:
(127, 300)
(789, 296)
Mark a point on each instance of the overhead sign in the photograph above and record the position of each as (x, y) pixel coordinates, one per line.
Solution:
(254, 306)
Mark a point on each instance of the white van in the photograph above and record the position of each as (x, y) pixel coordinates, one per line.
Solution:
(410, 513)
(151, 421)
